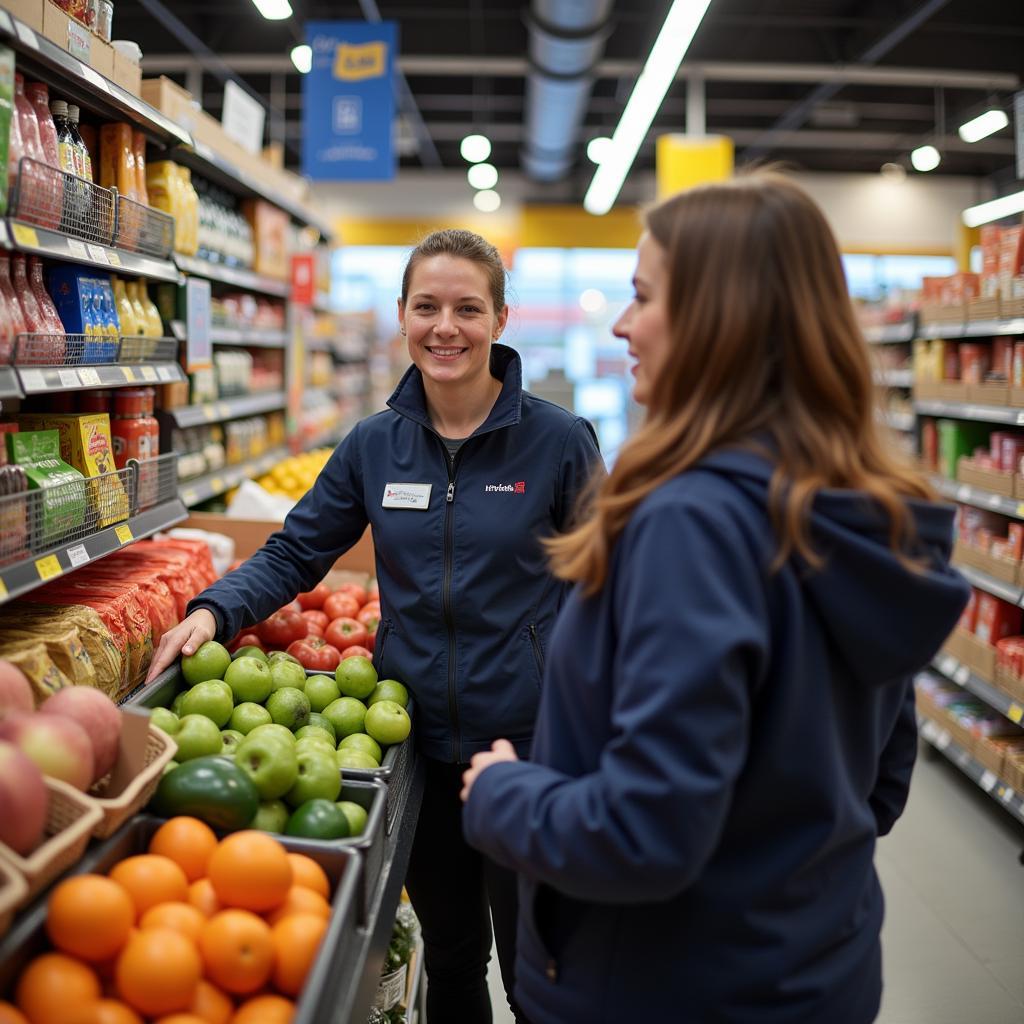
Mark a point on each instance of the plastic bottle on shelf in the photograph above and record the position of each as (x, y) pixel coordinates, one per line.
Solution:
(10, 297)
(154, 325)
(84, 160)
(76, 202)
(39, 96)
(125, 310)
(38, 350)
(139, 152)
(50, 314)
(40, 202)
(15, 151)
(141, 316)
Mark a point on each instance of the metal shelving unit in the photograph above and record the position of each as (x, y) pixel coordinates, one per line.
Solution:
(948, 666)
(970, 411)
(894, 378)
(971, 328)
(1007, 591)
(902, 421)
(193, 492)
(976, 496)
(248, 338)
(891, 334)
(228, 409)
(236, 276)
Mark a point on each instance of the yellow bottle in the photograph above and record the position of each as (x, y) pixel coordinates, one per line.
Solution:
(154, 325)
(141, 319)
(164, 192)
(125, 309)
(189, 212)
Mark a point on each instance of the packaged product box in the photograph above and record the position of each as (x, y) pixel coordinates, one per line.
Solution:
(969, 616)
(68, 33)
(975, 362)
(957, 439)
(171, 99)
(1002, 358)
(990, 238)
(127, 74)
(103, 57)
(270, 237)
(996, 619)
(63, 503)
(1015, 536)
(63, 644)
(1011, 259)
(1011, 450)
(28, 11)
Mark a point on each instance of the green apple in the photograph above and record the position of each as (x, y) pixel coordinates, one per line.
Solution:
(356, 677)
(271, 817)
(230, 739)
(209, 662)
(209, 699)
(166, 719)
(249, 679)
(250, 651)
(282, 656)
(176, 703)
(321, 691)
(356, 815)
(367, 744)
(197, 736)
(248, 715)
(389, 689)
(322, 722)
(318, 778)
(289, 707)
(346, 757)
(276, 730)
(346, 714)
(315, 732)
(318, 819)
(287, 673)
(271, 763)
(387, 722)
(325, 746)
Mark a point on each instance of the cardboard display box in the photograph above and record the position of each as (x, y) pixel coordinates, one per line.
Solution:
(28, 11)
(127, 74)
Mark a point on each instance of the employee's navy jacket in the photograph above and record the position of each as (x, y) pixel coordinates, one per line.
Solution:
(717, 749)
(467, 602)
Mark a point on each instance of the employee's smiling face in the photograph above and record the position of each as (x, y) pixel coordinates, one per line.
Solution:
(449, 320)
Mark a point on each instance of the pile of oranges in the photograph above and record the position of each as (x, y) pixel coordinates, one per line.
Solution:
(194, 931)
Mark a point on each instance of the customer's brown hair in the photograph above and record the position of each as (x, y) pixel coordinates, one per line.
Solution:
(764, 345)
(466, 245)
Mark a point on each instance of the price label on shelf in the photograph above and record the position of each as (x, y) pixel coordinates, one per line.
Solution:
(115, 260)
(963, 493)
(24, 235)
(942, 739)
(165, 373)
(1006, 794)
(987, 782)
(78, 41)
(48, 567)
(129, 374)
(27, 36)
(189, 497)
(223, 410)
(77, 249)
(148, 373)
(1020, 419)
(90, 378)
(99, 254)
(68, 378)
(1015, 713)
(5, 22)
(217, 485)
(78, 555)
(209, 413)
(3, 589)
(124, 533)
(32, 380)
(962, 675)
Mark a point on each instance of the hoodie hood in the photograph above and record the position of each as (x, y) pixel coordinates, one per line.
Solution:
(886, 619)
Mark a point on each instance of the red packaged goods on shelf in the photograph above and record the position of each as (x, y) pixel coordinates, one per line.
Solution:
(930, 445)
(1015, 535)
(1011, 255)
(1002, 358)
(1010, 654)
(1011, 449)
(159, 603)
(969, 617)
(991, 239)
(198, 550)
(178, 568)
(975, 361)
(961, 288)
(1017, 374)
(996, 619)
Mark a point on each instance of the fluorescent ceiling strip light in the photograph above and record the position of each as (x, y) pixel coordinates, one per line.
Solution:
(994, 209)
(274, 10)
(669, 48)
(984, 125)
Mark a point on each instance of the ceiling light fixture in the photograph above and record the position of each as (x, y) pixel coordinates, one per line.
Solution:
(475, 148)
(994, 209)
(984, 125)
(487, 201)
(925, 158)
(893, 171)
(302, 58)
(599, 149)
(274, 10)
(681, 24)
(482, 176)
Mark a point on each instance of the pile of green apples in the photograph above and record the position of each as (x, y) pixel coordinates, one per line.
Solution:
(290, 733)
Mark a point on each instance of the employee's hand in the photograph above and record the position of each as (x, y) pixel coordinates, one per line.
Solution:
(501, 750)
(186, 638)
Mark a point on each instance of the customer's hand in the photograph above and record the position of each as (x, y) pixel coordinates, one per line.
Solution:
(186, 638)
(501, 750)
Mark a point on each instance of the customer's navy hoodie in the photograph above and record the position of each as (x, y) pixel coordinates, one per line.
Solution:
(717, 749)
(467, 601)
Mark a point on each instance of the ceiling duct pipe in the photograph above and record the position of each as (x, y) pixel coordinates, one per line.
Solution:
(567, 40)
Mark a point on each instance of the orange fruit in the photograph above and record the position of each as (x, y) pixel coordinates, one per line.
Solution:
(265, 1010)
(52, 986)
(250, 870)
(106, 1011)
(89, 916)
(181, 1018)
(188, 842)
(179, 917)
(212, 1005)
(296, 941)
(158, 971)
(11, 1014)
(307, 872)
(237, 950)
(202, 896)
(301, 900)
(151, 879)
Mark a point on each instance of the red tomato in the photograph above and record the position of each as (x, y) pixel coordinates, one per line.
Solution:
(282, 628)
(314, 598)
(358, 592)
(346, 632)
(314, 629)
(341, 605)
(356, 651)
(369, 616)
(245, 640)
(316, 653)
(317, 616)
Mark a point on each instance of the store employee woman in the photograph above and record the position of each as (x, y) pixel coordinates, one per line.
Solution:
(460, 479)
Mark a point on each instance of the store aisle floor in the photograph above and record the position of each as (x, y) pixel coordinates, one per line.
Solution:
(953, 943)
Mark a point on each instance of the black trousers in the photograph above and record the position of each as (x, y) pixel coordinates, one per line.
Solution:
(456, 892)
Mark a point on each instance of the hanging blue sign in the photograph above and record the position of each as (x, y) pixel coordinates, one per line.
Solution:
(348, 101)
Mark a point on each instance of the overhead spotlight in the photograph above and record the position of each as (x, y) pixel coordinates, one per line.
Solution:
(302, 58)
(894, 172)
(487, 201)
(598, 149)
(925, 158)
(475, 148)
(984, 125)
(274, 10)
(482, 176)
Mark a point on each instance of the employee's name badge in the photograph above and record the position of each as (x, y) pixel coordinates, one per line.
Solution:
(406, 495)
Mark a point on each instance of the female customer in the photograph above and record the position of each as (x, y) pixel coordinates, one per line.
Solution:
(460, 479)
(727, 721)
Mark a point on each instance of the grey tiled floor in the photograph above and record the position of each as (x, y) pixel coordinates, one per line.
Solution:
(953, 943)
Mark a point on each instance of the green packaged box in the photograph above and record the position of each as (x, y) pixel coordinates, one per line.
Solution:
(957, 439)
(62, 506)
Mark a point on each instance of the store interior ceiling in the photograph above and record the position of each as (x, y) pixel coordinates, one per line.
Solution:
(820, 85)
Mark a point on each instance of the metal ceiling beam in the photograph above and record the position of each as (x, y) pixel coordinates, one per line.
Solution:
(712, 71)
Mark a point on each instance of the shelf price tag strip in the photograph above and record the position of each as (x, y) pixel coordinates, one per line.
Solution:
(48, 567)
